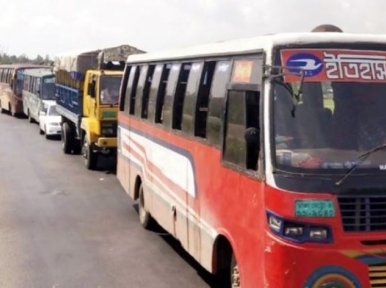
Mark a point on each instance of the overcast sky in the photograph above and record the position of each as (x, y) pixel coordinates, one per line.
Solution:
(54, 26)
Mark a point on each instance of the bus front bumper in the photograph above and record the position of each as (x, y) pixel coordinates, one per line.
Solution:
(290, 265)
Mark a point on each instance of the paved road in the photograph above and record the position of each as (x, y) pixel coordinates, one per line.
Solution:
(63, 226)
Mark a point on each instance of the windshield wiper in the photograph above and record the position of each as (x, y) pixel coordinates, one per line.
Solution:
(363, 158)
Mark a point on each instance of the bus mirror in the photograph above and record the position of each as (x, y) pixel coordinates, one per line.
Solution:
(91, 89)
(252, 136)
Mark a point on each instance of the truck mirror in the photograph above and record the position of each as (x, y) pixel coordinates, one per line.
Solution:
(91, 89)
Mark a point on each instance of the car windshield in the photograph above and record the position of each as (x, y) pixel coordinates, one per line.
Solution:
(52, 111)
(340, 114)
(110, 89)
(48, 89)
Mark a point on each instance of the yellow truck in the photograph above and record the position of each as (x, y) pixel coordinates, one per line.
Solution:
(87, 91)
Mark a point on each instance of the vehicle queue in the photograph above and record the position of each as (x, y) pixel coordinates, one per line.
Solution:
(235, 148)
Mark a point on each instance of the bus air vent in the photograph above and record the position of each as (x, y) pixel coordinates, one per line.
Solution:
(363, 213)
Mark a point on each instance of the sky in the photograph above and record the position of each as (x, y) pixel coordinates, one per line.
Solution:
(44, 27)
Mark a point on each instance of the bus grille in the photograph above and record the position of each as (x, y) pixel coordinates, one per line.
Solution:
(363, 213)
(377, 275)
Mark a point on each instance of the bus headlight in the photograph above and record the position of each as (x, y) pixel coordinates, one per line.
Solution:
(293, 230)
(274, 223)
(299, 232)
(318, 233)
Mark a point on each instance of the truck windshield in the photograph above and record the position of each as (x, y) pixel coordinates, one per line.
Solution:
(110, 89)
(340, 115)
(48, 89)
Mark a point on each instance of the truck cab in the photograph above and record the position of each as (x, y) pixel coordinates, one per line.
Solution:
(87, 91)
(100, 107)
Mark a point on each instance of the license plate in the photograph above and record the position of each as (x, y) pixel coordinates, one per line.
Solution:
(315, 208)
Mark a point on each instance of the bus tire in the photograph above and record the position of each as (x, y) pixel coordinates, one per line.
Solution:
(10, 110)
(67, 138)
(90, 157)
(2, 111)
(235, 273)
(30, 119)
(145, 217)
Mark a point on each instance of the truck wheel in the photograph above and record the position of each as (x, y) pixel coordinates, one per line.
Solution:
(145, 217)
(67, 138)
(90, 158)
(77, 149)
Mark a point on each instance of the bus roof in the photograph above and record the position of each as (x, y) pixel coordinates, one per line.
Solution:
(266, 42)
(39, 72)
(23, 66)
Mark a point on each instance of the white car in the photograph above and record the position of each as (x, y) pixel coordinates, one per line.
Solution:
(49, 120)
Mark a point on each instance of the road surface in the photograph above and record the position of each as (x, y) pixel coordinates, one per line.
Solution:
(63, 226)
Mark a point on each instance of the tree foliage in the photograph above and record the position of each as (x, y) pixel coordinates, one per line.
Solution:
(12, 59)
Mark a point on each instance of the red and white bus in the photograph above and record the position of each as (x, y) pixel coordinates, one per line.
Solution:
(11, 87)
(264, 157)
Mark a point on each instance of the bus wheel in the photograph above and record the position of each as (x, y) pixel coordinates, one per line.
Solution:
(67, 138)
(30, 120)
(235, 273)
(144, 216)
(90, 157)
(10, 110)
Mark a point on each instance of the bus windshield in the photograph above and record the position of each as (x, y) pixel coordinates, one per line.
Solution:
(48, 89)
(110, 90)
(340, 114)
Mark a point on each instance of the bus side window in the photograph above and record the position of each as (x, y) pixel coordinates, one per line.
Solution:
(26, 83)
(133, 89)
(253, 121)
(162, 92)
(146, 91)
(139, 91)
(2, 75)
(123, 88)
(130, 90)
(234, 145)
(217, 101)
(33, 85)
(166, 114)
(31, 82)
(201, 112)
(179, 95)
(190, 98)
(242, 123)
(38, 86)
(6, 76)
(156, 86)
